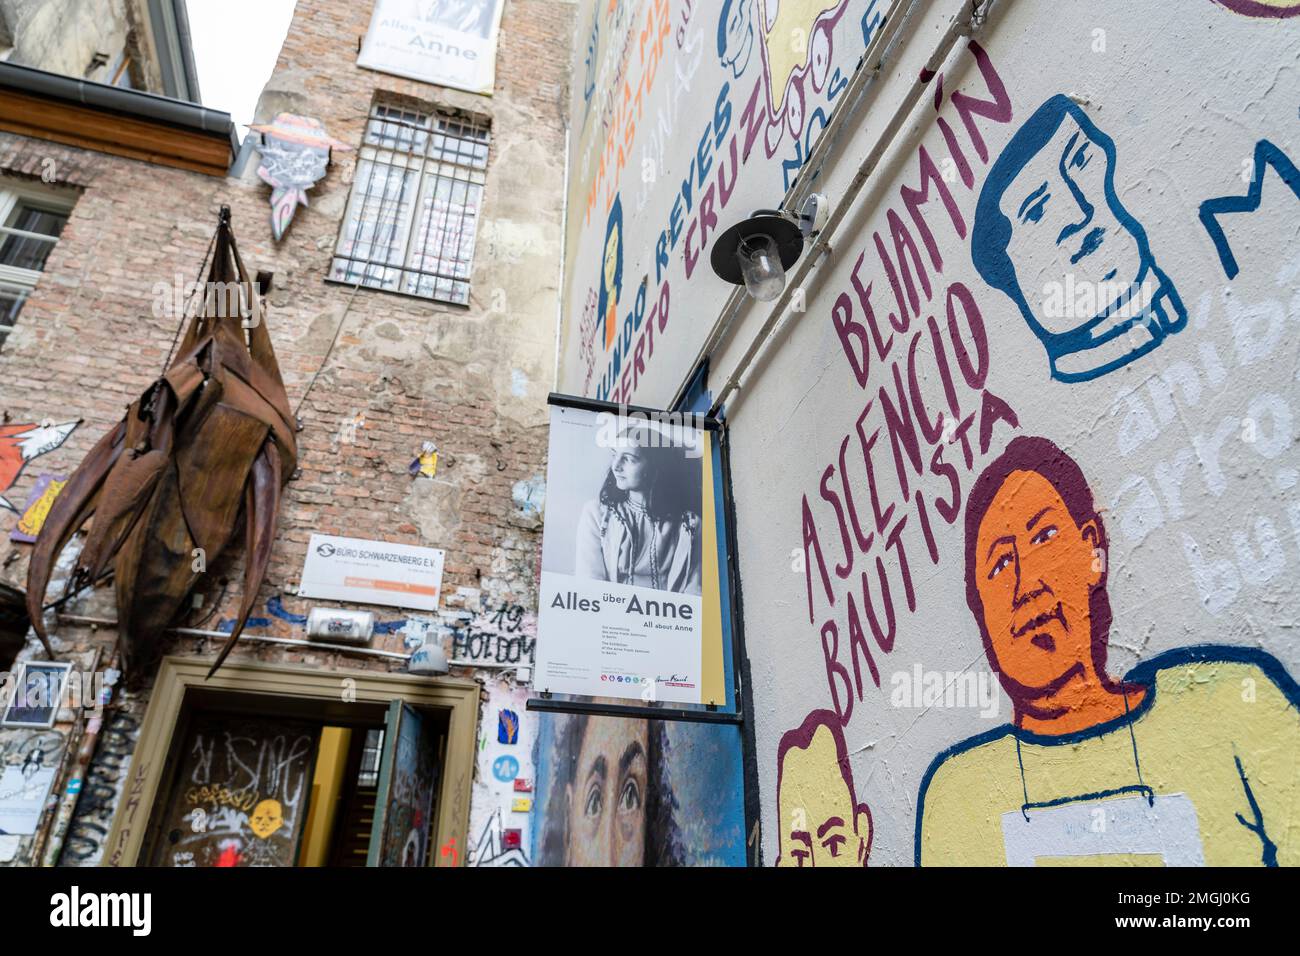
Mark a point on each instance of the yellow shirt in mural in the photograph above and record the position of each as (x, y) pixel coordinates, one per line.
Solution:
(1218, 747)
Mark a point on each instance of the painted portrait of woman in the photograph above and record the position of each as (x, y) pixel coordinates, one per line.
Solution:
(643, 527)
(613, 803)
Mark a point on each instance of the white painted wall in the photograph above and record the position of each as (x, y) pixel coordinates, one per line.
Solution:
(1189, 449)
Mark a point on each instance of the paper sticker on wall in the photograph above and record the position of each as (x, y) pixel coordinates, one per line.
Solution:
(426, 463)
(39, 502)
(507, 727)
(523, 785)
(505, 769)
(295, 153)
(521, 805)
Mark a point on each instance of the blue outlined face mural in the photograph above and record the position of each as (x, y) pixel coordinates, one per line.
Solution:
(736, 35)
(1052, 234)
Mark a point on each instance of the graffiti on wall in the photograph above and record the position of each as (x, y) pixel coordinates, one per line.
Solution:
(241, 794)
(498, 832)
(102, 788)
(19, 444)
(900, 470)
(668, 174)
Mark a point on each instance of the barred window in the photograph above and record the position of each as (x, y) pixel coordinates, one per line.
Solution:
(413, 213)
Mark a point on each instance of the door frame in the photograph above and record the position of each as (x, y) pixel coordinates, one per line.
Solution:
(177, 675)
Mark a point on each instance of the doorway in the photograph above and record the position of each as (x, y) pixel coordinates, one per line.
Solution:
(273, 765)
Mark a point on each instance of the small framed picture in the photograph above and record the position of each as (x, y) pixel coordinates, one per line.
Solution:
(37, 694)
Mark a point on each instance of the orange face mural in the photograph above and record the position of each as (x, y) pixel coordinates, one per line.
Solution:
(1036, 583)
(1188, 760)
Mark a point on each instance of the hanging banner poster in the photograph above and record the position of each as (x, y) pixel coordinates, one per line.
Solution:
(447, 42)
(630, 602)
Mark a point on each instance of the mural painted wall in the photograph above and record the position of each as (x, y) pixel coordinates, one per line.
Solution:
(685, 117)
(1016, 482)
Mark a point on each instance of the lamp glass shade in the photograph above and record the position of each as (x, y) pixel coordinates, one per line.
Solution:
(760, 265)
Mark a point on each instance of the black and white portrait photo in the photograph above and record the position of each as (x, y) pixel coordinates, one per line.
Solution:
(631, 507)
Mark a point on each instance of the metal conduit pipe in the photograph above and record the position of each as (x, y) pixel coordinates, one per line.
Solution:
(959, 27)
(869, 66)
(290, 642)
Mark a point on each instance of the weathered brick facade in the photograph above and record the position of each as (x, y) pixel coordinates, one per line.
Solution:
(403, 370)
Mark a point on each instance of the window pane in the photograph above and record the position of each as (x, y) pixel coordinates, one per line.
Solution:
(11, 303)
(413, 213)
(368, 775)
(26, 253)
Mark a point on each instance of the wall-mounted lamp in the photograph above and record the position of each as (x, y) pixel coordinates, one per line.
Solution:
(429, 658)
(758, 251)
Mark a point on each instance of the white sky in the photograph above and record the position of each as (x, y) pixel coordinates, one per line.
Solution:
(236, 43)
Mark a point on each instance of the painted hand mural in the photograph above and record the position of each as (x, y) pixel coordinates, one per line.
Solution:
(1189, 759)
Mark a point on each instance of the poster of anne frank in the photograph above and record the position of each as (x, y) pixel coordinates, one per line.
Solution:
(630, 595)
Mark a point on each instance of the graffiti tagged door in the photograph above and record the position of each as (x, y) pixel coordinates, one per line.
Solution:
(407, 781)
(241, 793)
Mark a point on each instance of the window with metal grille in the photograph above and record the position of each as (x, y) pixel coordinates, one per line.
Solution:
(414, 209)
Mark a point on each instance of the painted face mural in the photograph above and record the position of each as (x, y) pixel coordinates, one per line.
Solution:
(1035, 572)
(1166, 766)
(1050, 231)
(266, 818)
(736, 35)
(611, 273)
(626, 792)
(607, 797)
(821, 823)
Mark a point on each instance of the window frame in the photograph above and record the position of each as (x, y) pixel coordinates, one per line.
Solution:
(301, 684)
(415, 154)
(14, 193)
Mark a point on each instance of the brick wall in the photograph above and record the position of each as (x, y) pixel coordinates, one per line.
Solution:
(403, 370)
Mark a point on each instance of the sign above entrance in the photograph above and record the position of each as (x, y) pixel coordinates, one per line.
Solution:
(372, 572)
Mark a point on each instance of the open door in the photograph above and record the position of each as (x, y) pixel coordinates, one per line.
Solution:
(408, 777)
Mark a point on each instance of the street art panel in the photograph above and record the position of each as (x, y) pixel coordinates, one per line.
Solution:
(1015, 483)
(295, 153)
(615, 791)
(500, 834)
(240, 795)
(19, 444)
(688, 116)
